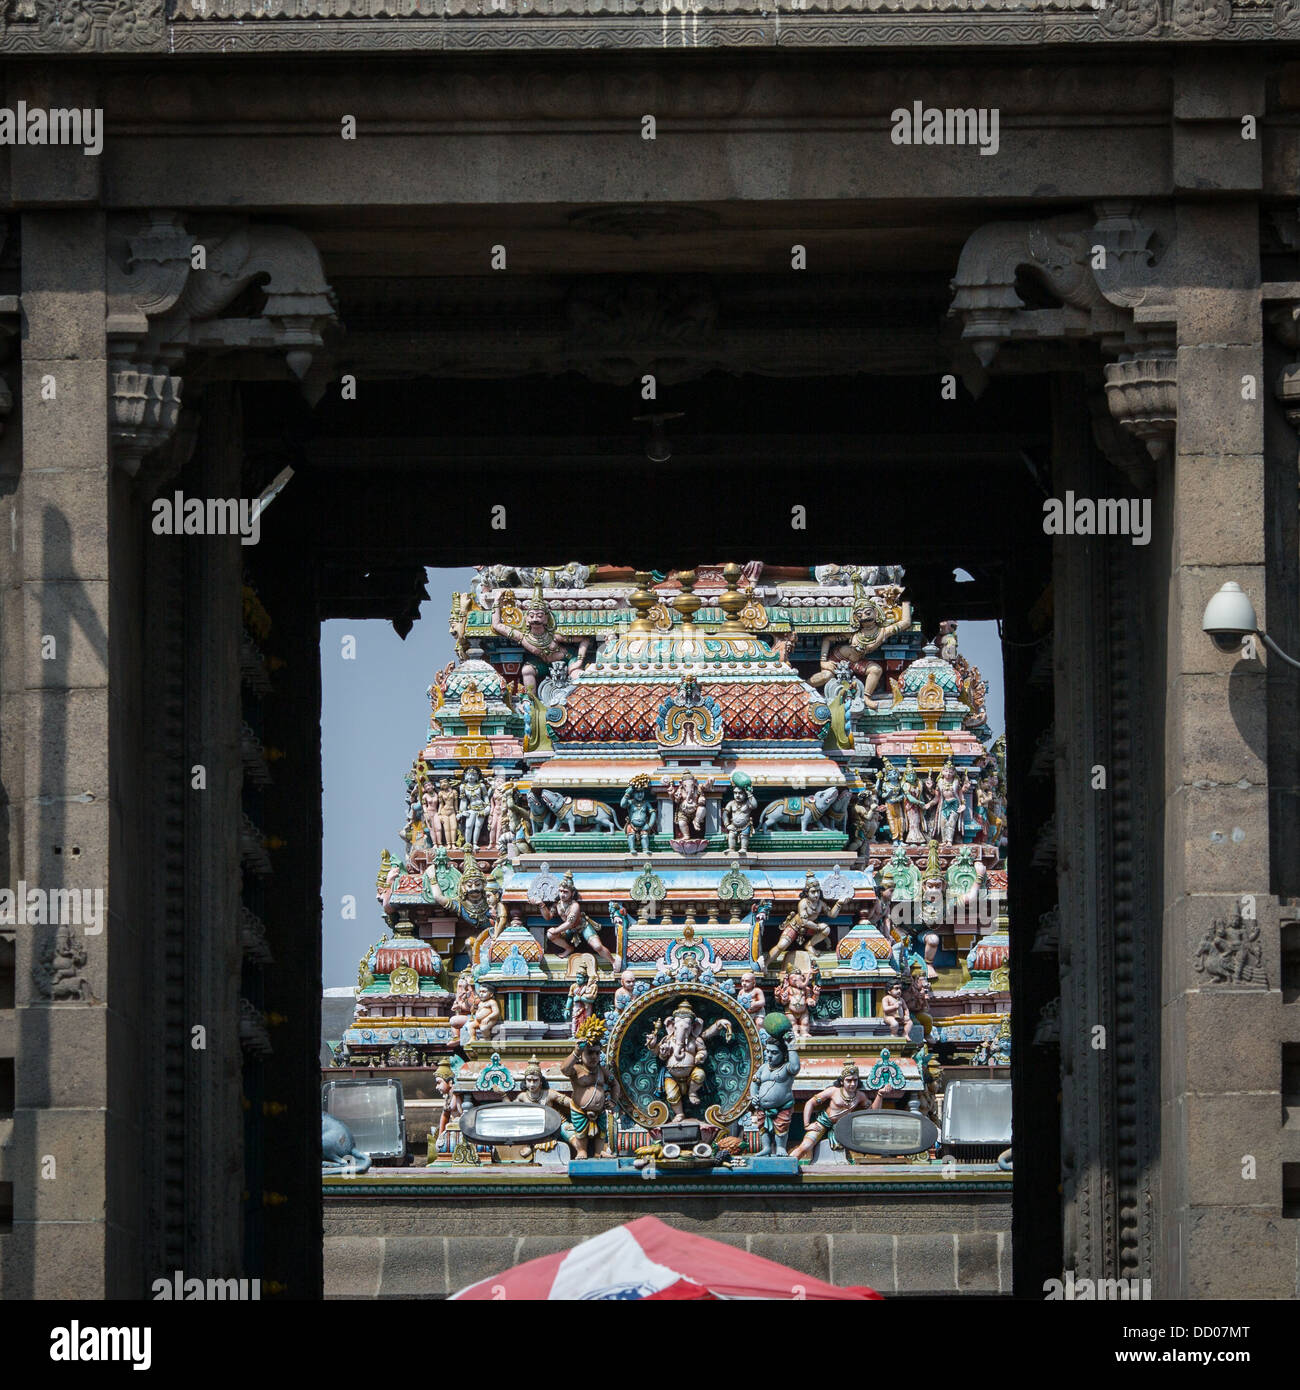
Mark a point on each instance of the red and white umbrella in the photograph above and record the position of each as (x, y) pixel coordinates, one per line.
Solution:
(647, 1258)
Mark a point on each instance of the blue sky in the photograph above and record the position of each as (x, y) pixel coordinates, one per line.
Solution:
(375, 714)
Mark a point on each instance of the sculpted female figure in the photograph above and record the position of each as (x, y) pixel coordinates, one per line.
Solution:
(914, 803)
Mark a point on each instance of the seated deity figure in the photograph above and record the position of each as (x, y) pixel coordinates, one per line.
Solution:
(750, 996)
(463, 1003)
(805, 928)
(894, 1010)
(623, 995)
(487, 1014)
(821, 1112)
(871, 630)
(574, 929)
(537, 637)
(640, 807)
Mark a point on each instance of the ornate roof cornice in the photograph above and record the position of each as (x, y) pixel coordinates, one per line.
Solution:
(270, 26)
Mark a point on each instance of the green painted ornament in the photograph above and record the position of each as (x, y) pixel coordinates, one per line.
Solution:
(742, 779)
(776, 1025)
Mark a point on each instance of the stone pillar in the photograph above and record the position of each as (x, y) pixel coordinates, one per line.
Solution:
(1220, 1034)
(57, 678)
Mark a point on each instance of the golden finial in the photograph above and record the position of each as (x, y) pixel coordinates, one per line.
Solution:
(686, 603)
(732, 602)
(642, 599)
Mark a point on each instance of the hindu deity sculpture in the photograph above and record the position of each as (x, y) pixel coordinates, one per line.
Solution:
(739, 812)
(498, 917)
(947, 802)
(486, 1018)
(889, 792)
(448, 1134)
(864, 820)
(463, 1002)
(574, 929)
(894, 1010)
(805, 927)
(595, 1090)
(442, 824)
(640, 808)
(821, 1112)
(582, 996)
(750, 996)
(871, 630)
(914, 804)
(947, 643)
(798, 993)
(771, 1092)
(536, 636)
(684, 1050)
(624, 994)
(501, 790)
(473, 807)
(690, 805)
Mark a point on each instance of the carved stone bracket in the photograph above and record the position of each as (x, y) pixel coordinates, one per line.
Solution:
(168, 289)
(1103, 278)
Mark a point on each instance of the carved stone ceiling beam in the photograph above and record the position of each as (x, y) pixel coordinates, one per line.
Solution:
(79, 26)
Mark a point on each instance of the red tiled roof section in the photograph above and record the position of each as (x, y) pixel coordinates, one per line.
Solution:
(624, 712)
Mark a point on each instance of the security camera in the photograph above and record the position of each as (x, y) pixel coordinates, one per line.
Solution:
(1229, 617)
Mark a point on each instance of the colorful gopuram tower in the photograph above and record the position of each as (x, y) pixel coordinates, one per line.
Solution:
(732, 793)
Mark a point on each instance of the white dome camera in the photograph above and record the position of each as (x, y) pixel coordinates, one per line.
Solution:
(1229, 616)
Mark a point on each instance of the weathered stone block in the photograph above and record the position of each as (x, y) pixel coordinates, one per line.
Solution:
(863, 1259)
(471, 1258)
(68, 1144)
(63, 271)
(65, 1260)
(64, 513)
(1219, 510)
(1217, 253)
(927, 1264)
(416, 1266)
(1217, 728)
(1234, 1043)
(807, 1254)
(1216, 840)
(1237, 1253)
(1213, 417)
(977, 1263)
(63, 1051)
(73, 615)
(1226, 1132)
(66, 744)
(353, 1266)
(1212, 157)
